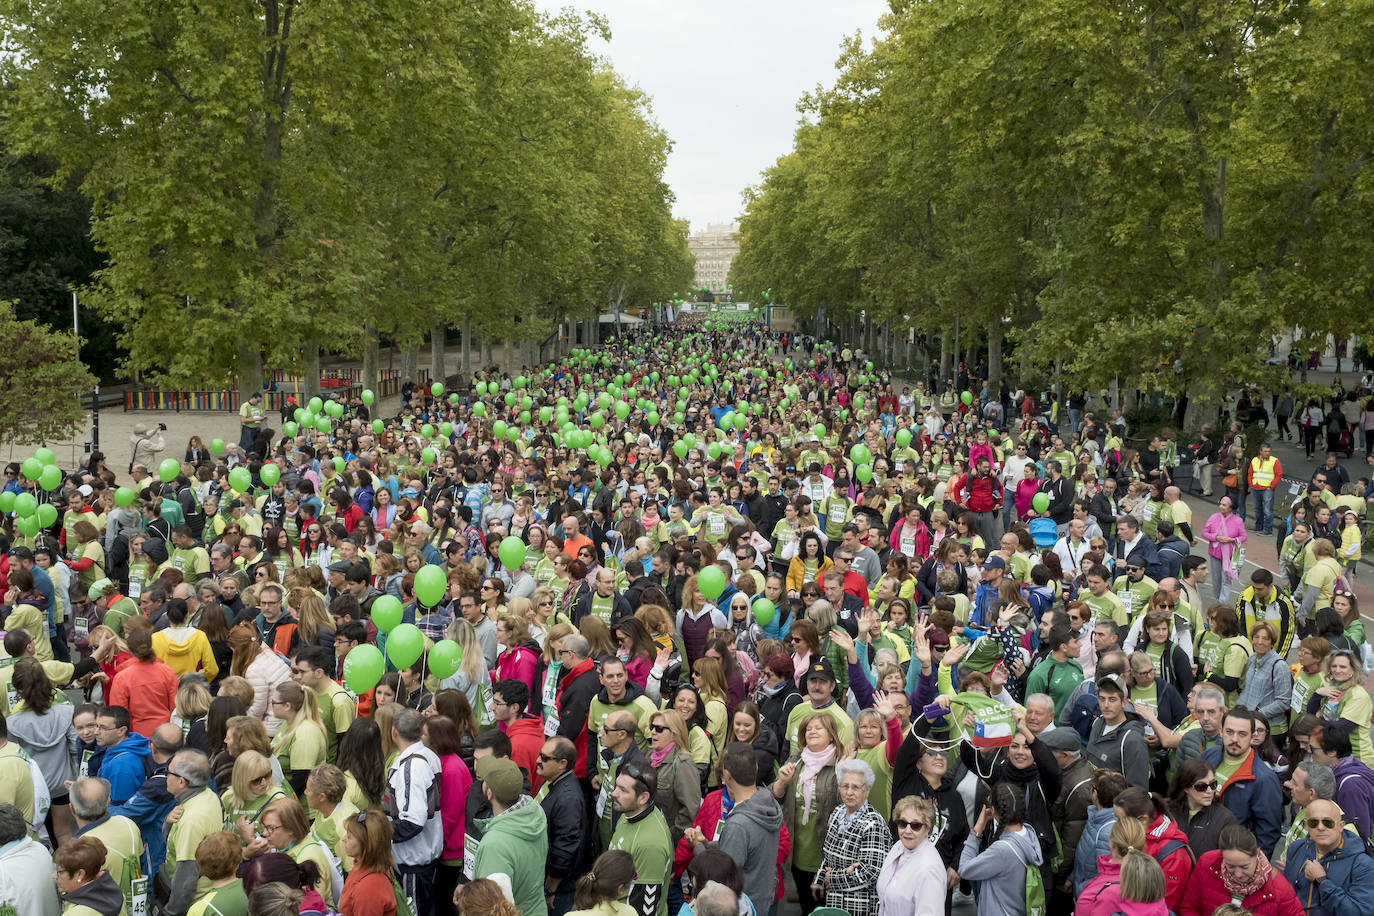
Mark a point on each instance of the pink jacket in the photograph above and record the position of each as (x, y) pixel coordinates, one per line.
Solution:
(1231, 526)
(454, 782)
(518, 662)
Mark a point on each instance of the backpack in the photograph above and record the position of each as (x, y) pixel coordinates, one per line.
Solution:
(1035, 891)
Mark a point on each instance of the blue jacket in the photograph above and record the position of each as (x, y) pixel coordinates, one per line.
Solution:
(126, 766)
(1349, 878)
(148, 809)
(1253, 795)
(1091, 844)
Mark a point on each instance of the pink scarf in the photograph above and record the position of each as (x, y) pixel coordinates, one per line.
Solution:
(1241, 888)
(812, 764)
(658, 756)
(801, 663)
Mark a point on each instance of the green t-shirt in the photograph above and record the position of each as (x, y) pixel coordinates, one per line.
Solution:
(1057, 679)
(648, 842)
(201, 816)
(229, 900)
(1134, 595)
(337, 712)
(330, 830)
(603, 607)
(1106, 607)
(1226, 769)
(303, 749)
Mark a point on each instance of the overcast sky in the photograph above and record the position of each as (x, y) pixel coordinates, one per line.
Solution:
(725, 77)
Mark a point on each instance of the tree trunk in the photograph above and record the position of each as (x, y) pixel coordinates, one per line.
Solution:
(410, 355)
(956, 345)
(311, 350)
(437, 372)
(995, 356)
(250, 371)
(467, 350)
(485, 352)
(371, 356)
(945, 350)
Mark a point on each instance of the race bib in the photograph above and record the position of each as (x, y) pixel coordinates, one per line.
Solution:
(178, 564)
(11, 696)
(138, 897)
(470, 844)
(601, 802)
(550, 721)
(81, 625)
(85, 768)
(718, 525)
(909, 547)
(135, 588)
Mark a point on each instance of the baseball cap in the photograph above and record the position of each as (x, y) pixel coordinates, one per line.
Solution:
(995, 562)
(97, 588)
(1117, 680)
(821, 669)
(339, 566)
(503, 777)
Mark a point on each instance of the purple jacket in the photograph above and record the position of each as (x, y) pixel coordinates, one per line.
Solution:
(1355, 792)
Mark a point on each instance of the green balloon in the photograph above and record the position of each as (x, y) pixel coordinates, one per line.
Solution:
(509, 399)
(860, 454)
(47, 515)
(596, 420)
(306, 418)
(51, 478)
(1040, 502)
(764, 610)
(363, 668)
(239, 479)
(446, 429)
(864, 472)
(428, 455)
(966, 397)
(513, 434)
(404, 645)
(270, 474)
(168, 470)
(315, 405)
(713, 450)
(903, 437)
(481, 389)
(25, 505)
(31, 468)
(124, 497)
(453, 398)
(445, 658)
(479, 409)
(427, 431)
(387, 612)
(545, 414)
(430, 586)
(367, 396)
(512, 552)
(653, 418)
(498, 429)
(437, 389)
(680, 449)
(27, 525)
(378, 426)
(711, 582)
(622, 410)
(741, 421)
(290, 428)
(45, 456)
(7, 500)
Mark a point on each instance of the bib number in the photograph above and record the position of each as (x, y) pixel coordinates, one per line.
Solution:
(470, 844)
(82, 628)
(135, 588)
(138, 897)
(601, 802)
(717, 525)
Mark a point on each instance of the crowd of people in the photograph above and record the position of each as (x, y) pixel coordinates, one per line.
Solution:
(779, 628)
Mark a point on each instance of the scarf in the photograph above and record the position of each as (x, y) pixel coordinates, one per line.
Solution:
(658, 756)
(801, 663)
(1242, 888)
(812, 764)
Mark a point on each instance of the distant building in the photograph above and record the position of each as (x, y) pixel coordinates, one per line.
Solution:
(714, 249)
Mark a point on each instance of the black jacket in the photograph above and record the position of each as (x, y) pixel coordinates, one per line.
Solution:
(634, 592)
(570, 832)
(1060, 493)
(776, 708)
(774, 508)
(950, 816)
(1105, 511)
(1204, 828)
(620, 607)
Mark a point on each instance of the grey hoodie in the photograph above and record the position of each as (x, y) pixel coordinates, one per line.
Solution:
(1122, 749)
(750, 837)
(48, 739)
(1001, 871)
(101, 894)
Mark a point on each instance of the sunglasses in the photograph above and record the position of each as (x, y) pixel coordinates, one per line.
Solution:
(1205, 786)
(658, 729)
(909, 825)
(1314, 822)
(545, 758)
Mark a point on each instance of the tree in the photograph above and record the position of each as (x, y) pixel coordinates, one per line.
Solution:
(43, 384)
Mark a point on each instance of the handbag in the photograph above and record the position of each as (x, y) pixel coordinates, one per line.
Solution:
(1230, 480)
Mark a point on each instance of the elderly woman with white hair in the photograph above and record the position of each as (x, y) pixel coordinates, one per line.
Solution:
(856, 844)
(913, 880)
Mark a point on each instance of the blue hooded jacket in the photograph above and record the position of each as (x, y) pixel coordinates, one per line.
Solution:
(1091, 844)
(126, 766)
(1253, 795)
(1349, 877)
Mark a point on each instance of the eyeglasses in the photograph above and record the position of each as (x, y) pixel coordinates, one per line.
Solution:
(263, 778)
(909, 825)
(1314, 822)
(545, 758)
(608, 729)
(795, 640)
(109, 728)
(1205, 786)
(658, 729)
(269, 828)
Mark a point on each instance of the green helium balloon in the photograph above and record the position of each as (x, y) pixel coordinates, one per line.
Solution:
(545, 414)
(499, 428)
(446, 429)
(741, 421)
(239, 479)
(860, 454)
(1040, 502)
(7, 500)
(427, 431)
(453, 398)
(378, 427)
(818, 430)
(903, 437)
(217, 445)
(315, 405)
(25, 504)
(713, 450)
(31, 468)
(622, 410)
(339, 464)
(653, 418)
(270, 474)
(124, 497)
(387, 612)
(479, 409)
(45, 456)
(513, 434)
(864, 472)
(306, 418)
(367, 396)
(430, 585)
(726, 420)
(966, 397)
(596, 420)
(691, 440)
(510, 399)
(445, 658)
(363, 668)
(764, 611)
(298, 414)
(524, 418)
(404, 645)
(168, 470)
(680, 449)
(28, 525)
(428, 455)
(51, 478)
(512, 552)
(711, 582)
(47, 515)
(481, 389)
(437, 389)
(290, 428)
(322, 424)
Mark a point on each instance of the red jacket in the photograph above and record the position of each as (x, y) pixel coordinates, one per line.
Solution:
(977, 494)
(526, 741)
(1177, 865)
(1206, 892)
(148, 690)
(707, 819)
